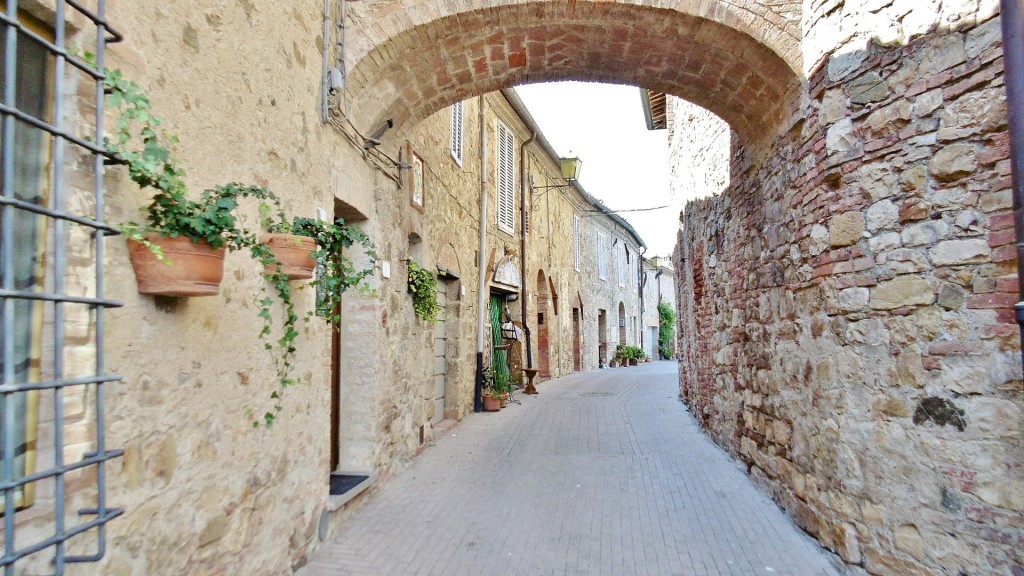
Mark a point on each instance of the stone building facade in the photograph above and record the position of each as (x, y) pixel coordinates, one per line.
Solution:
(844, 303)
(193, 369)
(659, 286)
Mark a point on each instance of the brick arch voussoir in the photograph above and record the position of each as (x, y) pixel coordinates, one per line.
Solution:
(775, 24)
(715, 66)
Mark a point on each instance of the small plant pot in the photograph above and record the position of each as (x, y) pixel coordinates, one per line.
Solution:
(188, 268)
(633, 362)
(613, 364)
(491, 404)
(294, 252)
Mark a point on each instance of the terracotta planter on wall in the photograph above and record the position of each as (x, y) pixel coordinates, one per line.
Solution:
(188, 269)
(294, 253)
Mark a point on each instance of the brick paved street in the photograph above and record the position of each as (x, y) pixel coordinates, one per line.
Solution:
(603, 473)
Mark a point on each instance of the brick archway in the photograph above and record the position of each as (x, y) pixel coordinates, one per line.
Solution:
(741, 60)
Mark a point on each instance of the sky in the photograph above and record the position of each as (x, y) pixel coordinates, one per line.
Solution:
(625, 165)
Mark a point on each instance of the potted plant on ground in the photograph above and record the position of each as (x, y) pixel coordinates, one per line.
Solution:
(491, 397)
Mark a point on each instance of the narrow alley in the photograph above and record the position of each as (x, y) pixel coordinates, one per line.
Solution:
(603, 473)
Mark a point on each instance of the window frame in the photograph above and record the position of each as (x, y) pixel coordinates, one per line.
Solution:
(602, 256)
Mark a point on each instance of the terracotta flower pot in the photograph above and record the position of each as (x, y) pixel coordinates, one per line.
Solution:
(294, 253)
(632, 362)
(188, 269)
(491, 404)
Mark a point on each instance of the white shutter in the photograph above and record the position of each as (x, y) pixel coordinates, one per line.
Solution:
(577, 241)
(458, 116)
(506, 178)
(602, 256)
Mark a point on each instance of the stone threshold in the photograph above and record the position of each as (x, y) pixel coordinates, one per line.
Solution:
(335, 503)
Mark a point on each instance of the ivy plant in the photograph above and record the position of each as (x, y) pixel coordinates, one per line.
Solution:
(147, 149)
(423, 287)
(666, 328)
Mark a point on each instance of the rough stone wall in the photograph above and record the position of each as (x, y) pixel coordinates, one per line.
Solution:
(846, 304)
(699, 145)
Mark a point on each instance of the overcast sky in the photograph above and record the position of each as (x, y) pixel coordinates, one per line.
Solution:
(625, 165)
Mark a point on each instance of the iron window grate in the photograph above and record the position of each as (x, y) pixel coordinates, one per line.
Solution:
(39, 309)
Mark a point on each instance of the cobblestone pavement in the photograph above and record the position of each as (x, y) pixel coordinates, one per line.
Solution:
(603, 473)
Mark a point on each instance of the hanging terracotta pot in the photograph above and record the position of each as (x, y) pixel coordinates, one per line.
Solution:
(294, 252)
(188, 268)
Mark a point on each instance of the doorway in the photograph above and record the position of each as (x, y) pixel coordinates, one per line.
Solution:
(577, 356)
(543, 336)
(602, 335)
(440, 354)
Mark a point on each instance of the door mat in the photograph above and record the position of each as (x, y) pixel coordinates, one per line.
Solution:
(341, 483)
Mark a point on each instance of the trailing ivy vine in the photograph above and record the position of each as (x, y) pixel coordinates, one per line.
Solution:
(423, 286)
(146, 148)
(666, 328)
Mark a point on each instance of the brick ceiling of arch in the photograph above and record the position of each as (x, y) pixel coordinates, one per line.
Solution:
(739, 59)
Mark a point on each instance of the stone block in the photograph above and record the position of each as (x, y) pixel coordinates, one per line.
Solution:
(954, 162)
(928, 232)
(941, 54)
(982, 38)
(956, 252)
(901, 291)
(853, 299)
(994, 417)
(846, 229)
(908, 539)
(951, 296)
(871, 332)
(886, 241)
(840, 137)
(880, 215)
(868, 88)
(927, 102)
(1005, 493)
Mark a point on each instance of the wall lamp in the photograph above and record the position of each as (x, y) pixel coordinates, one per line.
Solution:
(571, 168)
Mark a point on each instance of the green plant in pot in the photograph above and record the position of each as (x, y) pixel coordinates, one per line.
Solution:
(181, 233)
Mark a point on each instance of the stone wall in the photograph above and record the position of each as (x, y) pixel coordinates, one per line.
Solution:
(846, 305)
(699, 145)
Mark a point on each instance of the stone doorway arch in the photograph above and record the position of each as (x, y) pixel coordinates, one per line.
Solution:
(544, 319)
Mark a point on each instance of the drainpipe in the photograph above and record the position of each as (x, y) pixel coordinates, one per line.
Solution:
(1012, 16)
(478, 390)
(641, 280)
(524, 194)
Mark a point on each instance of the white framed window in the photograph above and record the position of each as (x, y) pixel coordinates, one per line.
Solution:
(602, 255)
(458, 120)
(506, 178)
(577, 241)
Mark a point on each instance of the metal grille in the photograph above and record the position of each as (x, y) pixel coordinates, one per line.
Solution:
(41, 301)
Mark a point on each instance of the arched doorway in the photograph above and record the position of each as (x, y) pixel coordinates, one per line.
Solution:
(577, 334)
(543, 320)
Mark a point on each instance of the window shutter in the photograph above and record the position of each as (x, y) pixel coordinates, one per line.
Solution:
(458, 116)
(506, 179)
(576, 241)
